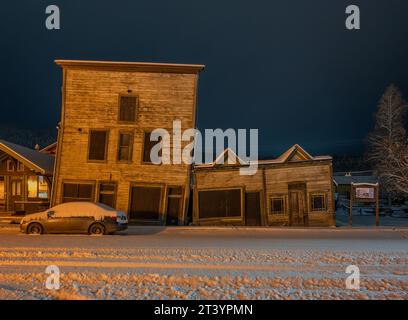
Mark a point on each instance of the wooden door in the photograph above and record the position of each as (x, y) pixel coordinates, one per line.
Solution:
(253, 209)
(297, 208)
(16, 194)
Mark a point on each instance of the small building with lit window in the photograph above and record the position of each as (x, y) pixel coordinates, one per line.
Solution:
(109, 110)
(25, 179)
(294, 189)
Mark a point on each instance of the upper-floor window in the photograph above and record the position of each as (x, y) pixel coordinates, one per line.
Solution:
(148, 146)
(125, 146)
(127, 108)
(98, 145)
(20, 166)
(10, 165)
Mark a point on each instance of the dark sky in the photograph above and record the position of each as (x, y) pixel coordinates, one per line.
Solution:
(289, 68)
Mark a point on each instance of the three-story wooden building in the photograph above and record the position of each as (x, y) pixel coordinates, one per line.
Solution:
(103, 152)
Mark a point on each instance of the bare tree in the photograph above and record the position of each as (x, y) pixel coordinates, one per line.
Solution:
(388, 147)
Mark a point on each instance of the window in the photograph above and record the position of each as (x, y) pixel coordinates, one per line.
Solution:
(125, 146)
(10, 165)
(20, 166)
(98, 140)
(16, 188)
(145, 202)
(220, 203)
(127, 108)
(2, 189)
(77, 192)
(147, 147)
(37, 187)
(278, 205)
(107, 194)
(318, 202)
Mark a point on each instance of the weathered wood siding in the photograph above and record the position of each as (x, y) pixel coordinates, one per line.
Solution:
(90, 101)
(316, 176)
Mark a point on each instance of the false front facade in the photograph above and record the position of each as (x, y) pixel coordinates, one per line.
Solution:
(109, 110)
(293, 190)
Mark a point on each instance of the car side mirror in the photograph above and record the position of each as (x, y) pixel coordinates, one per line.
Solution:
(50, 214)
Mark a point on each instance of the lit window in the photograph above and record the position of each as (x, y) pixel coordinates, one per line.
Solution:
(2, 189)
(42, 188)
(37, 187)
(318, 202)
(32, 186)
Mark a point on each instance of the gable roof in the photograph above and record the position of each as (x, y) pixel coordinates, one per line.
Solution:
(49, 149)
(294, 154)
(39, 162)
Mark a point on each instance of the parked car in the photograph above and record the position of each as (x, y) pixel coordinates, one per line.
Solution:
(76, 217)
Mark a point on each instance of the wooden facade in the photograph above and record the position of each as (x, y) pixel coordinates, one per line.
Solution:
(25, 179)
(108, 111)
(295, 189)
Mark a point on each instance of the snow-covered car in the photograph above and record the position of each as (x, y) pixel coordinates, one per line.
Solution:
(75, 217)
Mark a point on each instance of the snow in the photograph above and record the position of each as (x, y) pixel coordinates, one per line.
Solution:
(78, 209)
(199, 263)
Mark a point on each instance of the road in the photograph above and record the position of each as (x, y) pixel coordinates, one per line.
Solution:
(207, 263)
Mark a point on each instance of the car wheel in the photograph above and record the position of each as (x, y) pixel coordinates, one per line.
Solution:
(97, 229)
(35, 228)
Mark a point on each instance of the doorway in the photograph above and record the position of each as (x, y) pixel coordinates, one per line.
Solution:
(253, 209)
(16, 198)
(298, 214)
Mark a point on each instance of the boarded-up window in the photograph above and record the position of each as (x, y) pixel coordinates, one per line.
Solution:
(77, 192)
(147, 147)
(277, 205)
(145, 203)
(107, 194)
(318, 202)
(219, 203)
(98, 140)
(125, 146)
(127, 108)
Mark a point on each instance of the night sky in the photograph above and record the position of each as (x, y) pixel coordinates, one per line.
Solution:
(289, 68)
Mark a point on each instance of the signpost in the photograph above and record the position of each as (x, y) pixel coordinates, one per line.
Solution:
(364, 192)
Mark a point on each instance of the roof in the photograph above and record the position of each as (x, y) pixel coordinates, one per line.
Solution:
(131, 66)
(355, 179)
(294, 154)
(49, 148)
(35, 160)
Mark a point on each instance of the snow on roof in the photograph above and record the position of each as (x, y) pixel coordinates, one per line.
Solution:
(35, 160)
(294, 153)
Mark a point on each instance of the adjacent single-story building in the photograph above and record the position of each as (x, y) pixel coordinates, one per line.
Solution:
(294, 189)
(25, 179)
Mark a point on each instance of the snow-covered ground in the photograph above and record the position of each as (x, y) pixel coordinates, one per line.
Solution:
(204, 263)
